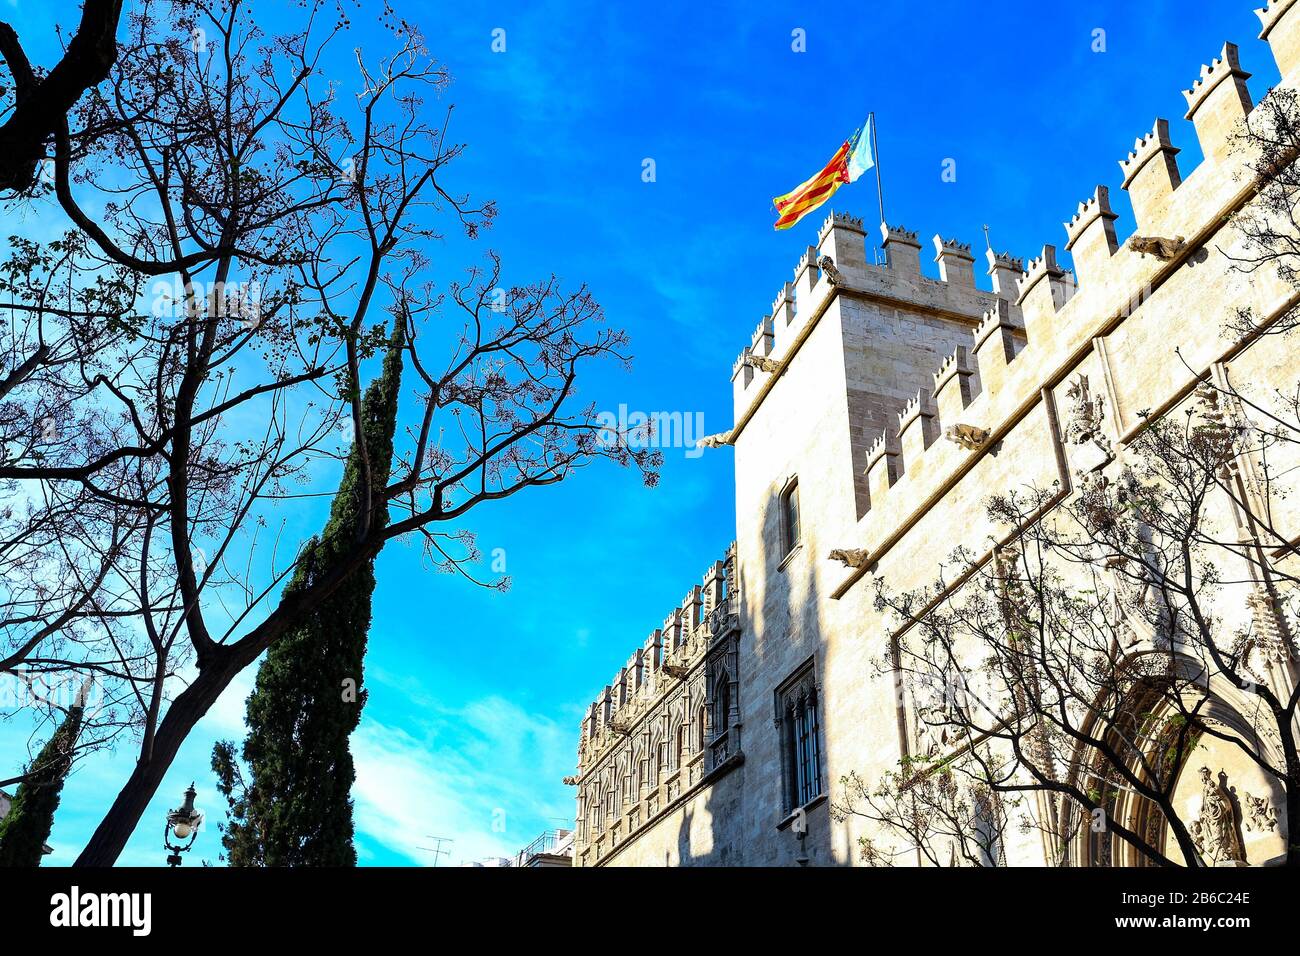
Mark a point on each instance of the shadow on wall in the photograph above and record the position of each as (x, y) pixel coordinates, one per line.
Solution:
(745, 808)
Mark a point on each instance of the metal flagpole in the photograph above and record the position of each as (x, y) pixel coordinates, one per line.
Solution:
(875, 155)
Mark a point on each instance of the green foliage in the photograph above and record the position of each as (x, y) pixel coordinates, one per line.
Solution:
(294, 808)
(25, 830)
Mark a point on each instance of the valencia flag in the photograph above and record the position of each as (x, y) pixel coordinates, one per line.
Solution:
(848, 163)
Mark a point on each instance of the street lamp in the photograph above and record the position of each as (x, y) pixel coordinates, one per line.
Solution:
(183, 824)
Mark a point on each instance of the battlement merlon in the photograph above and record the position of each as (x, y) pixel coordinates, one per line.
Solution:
(884, 465)
(1151, 174)
(783, 307)
(956, 264)
(1281, 22)
(953, 388)
(902, 250)
(918, 426)
(763, 339)
(843, 238)
(1091, 234)
(1005, 269)
(999, 338)
(1218, 102)
(806, 274)
(1043, 291)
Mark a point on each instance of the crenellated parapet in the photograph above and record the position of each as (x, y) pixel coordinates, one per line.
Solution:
(667, 719)
(1218, 102)
(1004, 269)
(1281, 30)
(956, 264)
(1041, 314)
(708, 612)
(839, 265)
(1042, 291)
(1091, 234)
(1151, 173)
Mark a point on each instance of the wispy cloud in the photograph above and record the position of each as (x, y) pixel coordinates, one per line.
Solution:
(476, 774)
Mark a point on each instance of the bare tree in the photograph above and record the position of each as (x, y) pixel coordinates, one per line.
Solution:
(1078, 673)
(40, 103)
(185, 368)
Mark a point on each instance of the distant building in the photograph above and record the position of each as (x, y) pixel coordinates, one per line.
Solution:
(552, 848)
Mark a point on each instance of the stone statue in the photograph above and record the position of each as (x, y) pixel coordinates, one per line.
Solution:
(1217, 826)
(827, 265)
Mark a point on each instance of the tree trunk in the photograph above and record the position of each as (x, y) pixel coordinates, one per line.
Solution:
(185, 711)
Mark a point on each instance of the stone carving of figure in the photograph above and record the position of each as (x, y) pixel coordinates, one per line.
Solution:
(1085, 413)
(1217, 828)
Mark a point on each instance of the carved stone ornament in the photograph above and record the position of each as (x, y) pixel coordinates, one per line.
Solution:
(850, 557)
(762, 363)
(827, 265)
(1084, 427)
(1261, 815)
(968, 436)
(715, 441)
(1163, 249)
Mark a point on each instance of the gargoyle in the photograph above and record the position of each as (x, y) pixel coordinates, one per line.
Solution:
(849, 557)
(762, 363)
(1161, 248)
(827, 265)
(714, 441)
(570, 781)
(968, 436)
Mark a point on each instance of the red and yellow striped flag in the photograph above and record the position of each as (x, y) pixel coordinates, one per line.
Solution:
(806, 197)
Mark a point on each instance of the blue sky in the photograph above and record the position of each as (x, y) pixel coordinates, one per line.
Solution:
(475, 695)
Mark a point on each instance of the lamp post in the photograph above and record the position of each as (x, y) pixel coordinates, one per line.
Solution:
(183, 824)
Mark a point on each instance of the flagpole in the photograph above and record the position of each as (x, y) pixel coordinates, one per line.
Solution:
(875, 151)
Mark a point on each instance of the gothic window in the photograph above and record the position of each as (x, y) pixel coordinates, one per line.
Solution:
(722, 698)
(700, 717)
(799, 725)
(661, 761)
(790, 517)
(682, 749)
(642, 775)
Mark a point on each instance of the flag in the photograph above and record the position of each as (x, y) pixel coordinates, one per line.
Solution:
(860, 159)
(850, 161)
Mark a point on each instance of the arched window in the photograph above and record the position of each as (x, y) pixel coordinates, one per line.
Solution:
(722, 698)
(681, 746)
(800, 738)
(790, 517)
(701, 722)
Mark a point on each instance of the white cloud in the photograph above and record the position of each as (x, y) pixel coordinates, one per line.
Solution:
(486, 775)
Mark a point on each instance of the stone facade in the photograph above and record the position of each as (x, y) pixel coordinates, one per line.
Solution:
(889, 406)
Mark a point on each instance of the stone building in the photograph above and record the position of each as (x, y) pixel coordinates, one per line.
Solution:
(875, 411)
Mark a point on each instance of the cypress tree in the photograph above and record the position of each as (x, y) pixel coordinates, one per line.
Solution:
(24, 832)
(295, 808)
